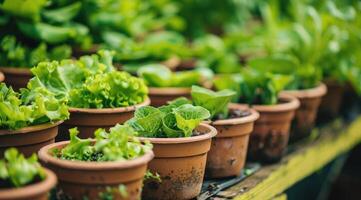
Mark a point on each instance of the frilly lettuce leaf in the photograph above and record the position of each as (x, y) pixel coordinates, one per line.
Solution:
(18, 170)
(90, 82)
(29, 107)
(119, 143)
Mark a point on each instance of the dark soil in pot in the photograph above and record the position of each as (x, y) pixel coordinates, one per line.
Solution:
(36, 191)
(80, 179)
(16, 77)
(331, 102)
(269, 139)
(228, 152)
(310, 100)
(160, 96)
(30, 139)
(88, 120)
(181, 163)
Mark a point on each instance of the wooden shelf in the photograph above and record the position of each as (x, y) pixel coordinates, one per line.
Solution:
(305, 159)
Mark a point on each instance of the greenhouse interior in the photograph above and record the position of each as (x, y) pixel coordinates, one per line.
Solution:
(175, 100)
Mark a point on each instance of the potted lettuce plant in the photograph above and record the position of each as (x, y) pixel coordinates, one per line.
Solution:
(260, 91)
(169, 48)
(306, 85)
(29, 119)
(97, 94)
(165, 85)
(180, 146)
(234, 124)
(113, 164)
(16, 59)
(24, 178)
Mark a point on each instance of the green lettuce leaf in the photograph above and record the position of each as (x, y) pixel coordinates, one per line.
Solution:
(29, 107)
(215, 102)
(147, 121)
(188, 117)
(19, 171)
(118, 144)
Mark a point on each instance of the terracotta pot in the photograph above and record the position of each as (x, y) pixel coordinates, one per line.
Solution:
(30, 139)
(79, 179)
(229, 148)
(88, 120)
(310, 100)
(160, 96)
(269, 139)
(36, 191)
(172, 62)
(188, 64)
(181, 164)
(78, 51)
(331, 102)
(2, 77)
(16, 77)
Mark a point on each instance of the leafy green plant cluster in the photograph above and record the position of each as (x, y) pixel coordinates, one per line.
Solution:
(303, 76)
(254, 87)
(18, 171)
(134, 18)
(89, 82)
(157, 75)
(29, 107)
(212, 52)
(154, 47)
(14, 54)
(120, 143)
(51, 22)
(177, 119)
(320, 36)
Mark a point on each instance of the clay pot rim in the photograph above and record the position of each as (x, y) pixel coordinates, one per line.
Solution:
(211, 133)
(29, 129)
(44, 156)
(109, 110)
(315, 92)
(16, 70)
(31, 190)
(2, 77)
(166, 91)
(292, 103)
(240, 120)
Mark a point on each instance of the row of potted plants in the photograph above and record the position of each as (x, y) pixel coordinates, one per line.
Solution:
(100, 97)
(179, 119)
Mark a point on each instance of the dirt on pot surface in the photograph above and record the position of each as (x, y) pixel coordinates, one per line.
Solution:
(160, 96)
(304, 121)
(228, 152)
(30, 139)
(331, 102)
(16, 77)
(181, 163)
(80, 179)
(88, 120)
(269, 139)
(35, 191)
